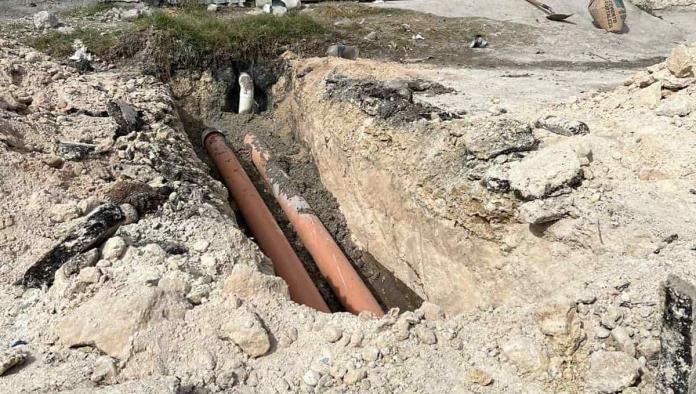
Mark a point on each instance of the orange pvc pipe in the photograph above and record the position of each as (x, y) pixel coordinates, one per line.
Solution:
(333, 264)
(265, 229)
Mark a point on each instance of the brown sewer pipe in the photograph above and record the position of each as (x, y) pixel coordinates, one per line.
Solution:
(268, 235)
(333, 264)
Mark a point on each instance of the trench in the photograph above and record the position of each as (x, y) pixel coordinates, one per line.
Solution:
(295, 158)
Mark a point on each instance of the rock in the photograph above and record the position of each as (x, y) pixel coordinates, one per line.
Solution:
(682, 62)
(611, 318)
(12, 357)
(246, 282)
(525, 354)
(612, 372)
(545, 171)
(130, 14)
(45, 20)
(490, 138)
(543, 211)
(562, 126)
(213, 8)
(246, 330)
(354, 376)
(109, 320)
(426, 335)
(127, 117)
(332, 334)
(80, 261)
(89, 275)
(114, 248)
(87, 205)
(623, 339)
(61, 213)
(431, 312)
(370, 354)
(311, 378)
(343, 51)
(198, 294)
(54, 161)
(650, 349)
(175, 282)
(652, 95)
(676, 105)
(75, 151)
(104, 370)
(479, 377)
(201, 246)
(559, 322)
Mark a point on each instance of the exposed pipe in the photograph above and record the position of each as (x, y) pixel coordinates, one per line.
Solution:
(246, 93)
(259, 219)
(349, 288)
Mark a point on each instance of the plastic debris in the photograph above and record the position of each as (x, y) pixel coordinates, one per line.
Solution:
(478, 42)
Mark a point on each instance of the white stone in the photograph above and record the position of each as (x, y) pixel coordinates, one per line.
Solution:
(114, 248)
(612, 372)
(246, 330)
(45, 20)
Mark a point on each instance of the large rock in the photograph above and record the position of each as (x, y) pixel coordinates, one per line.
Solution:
(559, 322)
(488, 139)
(677, 105)
(110, 319)
(246, 282)
(544, 211)
(45, 20)
(246, 330)
(611, 372)
(544, 172)
(12, 357)
(682, 62)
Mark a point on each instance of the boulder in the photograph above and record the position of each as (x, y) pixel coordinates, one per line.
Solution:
(526, 354)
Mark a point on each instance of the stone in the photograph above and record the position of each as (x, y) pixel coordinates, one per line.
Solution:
(61, 213)
(213, 8)
(246, 282)
(543, 211)
(104, 370)
(114, 248)
(247, 331)
(675, 370)
(545, 171)
(611, 318)
(370, 353)
(676, 105)
(479, 377)
(354, 376)
(652, 95)
(612, 372)
(54, 161)
(130, 14)
(311, 378)
(623, 339)
(198, 294)
(45, 20)
(175, 282)
(682, 62)
(75, 151)
(109, 320)
(332, 334)
(649, 348)
(128, 118)
(86, 205)
(559, 322)
(89, 275)
(426, 335)
(525, 354)
(201, 246)
(561, 126)
(343, 51)
(431, 312)
(487, 139)
(12, 357)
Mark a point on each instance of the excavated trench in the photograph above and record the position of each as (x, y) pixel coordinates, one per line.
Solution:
(296, 160)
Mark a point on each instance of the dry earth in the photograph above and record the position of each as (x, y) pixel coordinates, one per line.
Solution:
(539, 250)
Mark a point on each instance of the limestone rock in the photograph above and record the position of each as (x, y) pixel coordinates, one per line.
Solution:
(526, 354)
(488, 139)
(562, 126)
(479, 377)
(245, 282)
(682, 62)
(110, 319)
(652, 95)
(543, 211)
(623, 339)
(559, 322)
(431, 311)
(650, 349)
(676, 105)
(12, 357)
(246, 330)
(544, 172)
(114, 248)
(426, 335)
(104, 369)
(354, 376)
(45, 20)
(612, 372)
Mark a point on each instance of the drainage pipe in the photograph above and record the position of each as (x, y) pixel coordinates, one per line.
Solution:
(265, 229)
(246, 93)
(349, 288)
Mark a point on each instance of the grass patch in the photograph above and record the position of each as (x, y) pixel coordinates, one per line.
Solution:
(87, 10)
(194, 38)
(60, 45)
(355, 11)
